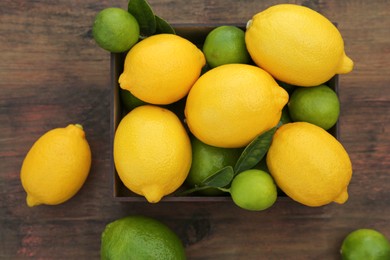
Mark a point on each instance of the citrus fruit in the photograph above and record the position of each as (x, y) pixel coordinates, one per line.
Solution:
(253, 190)
(152, 152)
(318, 105)
(296, 45)
(115, 30)
(207, 160)
(230, 105)
(129, 101)
(56, 166)
(309, 164)
(225, 44)
(141, 238)
(365, 244)
(162, 68)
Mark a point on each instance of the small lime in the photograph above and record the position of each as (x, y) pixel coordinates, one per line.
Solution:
(318, 105)
(365, 244)
(207, 160)
(129, 101)
(224, 45)
(253, 190)
(139, 237)
(115, 30)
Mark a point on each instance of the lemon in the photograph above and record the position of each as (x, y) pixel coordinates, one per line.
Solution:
(309, 164)
(207, 160)
(318, 105)
(152, 152)
(162, 68)
(296, 45)
(115, 30)
(225, 44)
(141, 238)
(230, 105)
(365, 243)
(253, 190)
(56, 166)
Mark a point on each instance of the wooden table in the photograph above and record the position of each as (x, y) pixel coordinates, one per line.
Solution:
(52, 73)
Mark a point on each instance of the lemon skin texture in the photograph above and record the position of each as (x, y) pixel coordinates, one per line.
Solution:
(56, 166)
(152, 152)
(296, 45)
(230, 105)
(161, 69)
(309, 164)
(141, 238)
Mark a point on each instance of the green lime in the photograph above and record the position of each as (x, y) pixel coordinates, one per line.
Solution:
(207, 160)
(253, 190)
(139, 237)
(224, 45)
(318, 105)
(365, 244)
(115, 30)
(129, 101)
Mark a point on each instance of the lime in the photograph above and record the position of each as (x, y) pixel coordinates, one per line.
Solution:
(365, 244)
(115, 30)
(129, 101)
(139, 237)
(207, 160)
(253, 190)
(225, 44)
(318, 105)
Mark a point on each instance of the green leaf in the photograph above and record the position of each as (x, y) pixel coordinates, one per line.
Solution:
(192, 190)
(254, 151)
(144, 15)
(220, 179)
(163, 26)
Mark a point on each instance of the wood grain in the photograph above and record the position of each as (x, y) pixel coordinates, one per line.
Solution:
(52, 74)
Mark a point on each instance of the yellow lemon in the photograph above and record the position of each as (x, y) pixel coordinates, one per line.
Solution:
(230, 105)
(296, 45)
(162, 68)
(309, 164)
(152, 152)
(56, 166)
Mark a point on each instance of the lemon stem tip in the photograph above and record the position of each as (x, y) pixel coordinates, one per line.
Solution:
(31, 202)
(79, 126)
(248, 24)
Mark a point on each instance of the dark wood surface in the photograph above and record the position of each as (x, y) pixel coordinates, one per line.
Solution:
(52, 74)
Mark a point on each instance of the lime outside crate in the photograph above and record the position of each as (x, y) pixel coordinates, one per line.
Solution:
(196, 34)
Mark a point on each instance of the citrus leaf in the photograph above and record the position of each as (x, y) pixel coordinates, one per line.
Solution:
(254, 151)
(144, 15)
(163, 26)
(219, 179)
(192, 190)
